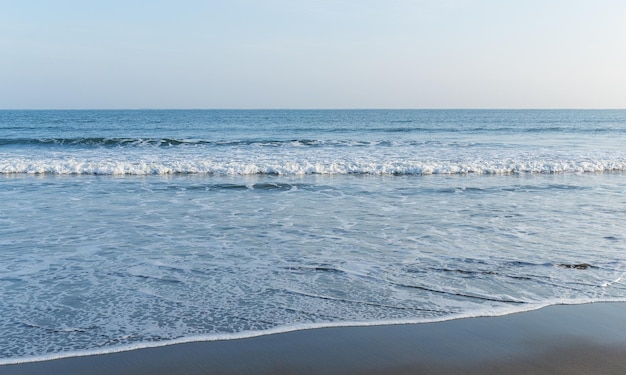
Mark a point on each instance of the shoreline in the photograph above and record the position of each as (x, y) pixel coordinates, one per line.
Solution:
(244, 335)
(560, 339)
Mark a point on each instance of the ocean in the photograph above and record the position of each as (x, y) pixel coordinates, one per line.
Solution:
(138, 228)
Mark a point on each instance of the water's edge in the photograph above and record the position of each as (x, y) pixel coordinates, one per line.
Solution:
(286, 329)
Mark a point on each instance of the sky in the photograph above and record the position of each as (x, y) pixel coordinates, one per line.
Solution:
(98, 54)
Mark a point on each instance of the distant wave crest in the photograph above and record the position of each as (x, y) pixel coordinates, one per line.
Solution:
(169, 142)
(99, 142)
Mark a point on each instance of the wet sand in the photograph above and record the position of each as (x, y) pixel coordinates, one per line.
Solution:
(580, 339)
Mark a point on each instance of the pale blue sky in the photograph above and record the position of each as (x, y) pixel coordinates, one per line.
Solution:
(313, 54)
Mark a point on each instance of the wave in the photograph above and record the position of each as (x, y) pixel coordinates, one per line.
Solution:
(169, 142)
(295, 168)
(101, 142)
(129, 143)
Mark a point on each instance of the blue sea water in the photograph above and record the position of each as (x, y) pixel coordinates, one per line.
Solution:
(126, 229)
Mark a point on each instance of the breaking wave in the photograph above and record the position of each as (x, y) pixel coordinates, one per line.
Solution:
(397, 167)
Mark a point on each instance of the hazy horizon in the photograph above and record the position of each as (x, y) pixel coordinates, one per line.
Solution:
(312, 109)
(327, 54)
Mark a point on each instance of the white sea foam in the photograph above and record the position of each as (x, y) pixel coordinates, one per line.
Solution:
(304, 167)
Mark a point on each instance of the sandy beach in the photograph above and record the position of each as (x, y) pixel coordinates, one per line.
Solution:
(579, 339)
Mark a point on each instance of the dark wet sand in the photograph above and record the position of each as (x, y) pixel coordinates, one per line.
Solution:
(582, 339)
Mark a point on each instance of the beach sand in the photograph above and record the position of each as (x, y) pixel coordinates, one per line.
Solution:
(578, 339)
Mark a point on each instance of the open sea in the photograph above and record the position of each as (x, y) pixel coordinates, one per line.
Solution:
(129, 229)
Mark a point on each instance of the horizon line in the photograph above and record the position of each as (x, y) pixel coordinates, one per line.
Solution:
(316, 109)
